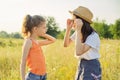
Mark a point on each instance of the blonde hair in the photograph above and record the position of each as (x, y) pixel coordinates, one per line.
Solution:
(30, 22)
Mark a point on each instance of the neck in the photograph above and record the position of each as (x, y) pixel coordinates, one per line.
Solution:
(33, 36)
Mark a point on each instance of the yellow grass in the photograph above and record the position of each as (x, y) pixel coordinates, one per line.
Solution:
(60, 61)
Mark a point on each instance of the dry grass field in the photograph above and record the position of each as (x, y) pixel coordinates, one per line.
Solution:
(60, 61)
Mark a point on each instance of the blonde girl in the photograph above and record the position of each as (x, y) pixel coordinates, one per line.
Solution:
(32, 54)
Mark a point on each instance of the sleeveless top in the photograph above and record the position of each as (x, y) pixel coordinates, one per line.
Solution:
(36, 60)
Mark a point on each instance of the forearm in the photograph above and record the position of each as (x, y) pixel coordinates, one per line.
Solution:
(78, 43)
(22, 71)
(67, 38)
(50, 38)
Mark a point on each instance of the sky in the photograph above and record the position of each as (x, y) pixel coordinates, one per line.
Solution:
(12, 12)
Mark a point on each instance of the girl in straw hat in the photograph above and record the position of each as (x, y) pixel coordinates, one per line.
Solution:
(87, 44)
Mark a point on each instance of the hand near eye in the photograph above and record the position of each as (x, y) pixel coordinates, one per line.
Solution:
(69, 24)
(78, 23)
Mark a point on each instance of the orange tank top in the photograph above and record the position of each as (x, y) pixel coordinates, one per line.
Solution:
(36, 60)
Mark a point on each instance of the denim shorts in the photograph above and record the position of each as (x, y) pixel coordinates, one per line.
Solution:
(31, 76)
(89, 70)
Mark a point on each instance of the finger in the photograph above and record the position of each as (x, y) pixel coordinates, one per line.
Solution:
(79, 22)
(68, 21)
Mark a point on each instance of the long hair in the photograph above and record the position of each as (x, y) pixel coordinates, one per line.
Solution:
(86, 29)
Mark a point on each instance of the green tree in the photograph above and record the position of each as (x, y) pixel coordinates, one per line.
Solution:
(15, 35)
(61, 34)
(115, 29)
(52, 26)
(107, 33)
(102, 28)
(99, 28)
(4, 34)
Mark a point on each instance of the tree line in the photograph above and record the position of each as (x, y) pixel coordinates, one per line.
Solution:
(107, 31)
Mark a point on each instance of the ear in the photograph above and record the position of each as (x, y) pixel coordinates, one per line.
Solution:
(34, 28)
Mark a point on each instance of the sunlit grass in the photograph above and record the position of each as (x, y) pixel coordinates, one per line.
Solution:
(60, 61)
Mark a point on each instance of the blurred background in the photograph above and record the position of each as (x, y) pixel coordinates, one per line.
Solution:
(60, 61)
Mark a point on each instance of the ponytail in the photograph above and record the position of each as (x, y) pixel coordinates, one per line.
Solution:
(27, 25)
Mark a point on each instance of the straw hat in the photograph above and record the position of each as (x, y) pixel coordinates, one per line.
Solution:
(83, 13)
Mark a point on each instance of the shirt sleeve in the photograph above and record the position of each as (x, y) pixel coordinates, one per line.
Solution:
(72, 37)
(93, 40)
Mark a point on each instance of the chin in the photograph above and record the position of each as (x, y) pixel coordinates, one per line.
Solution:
(39, 34)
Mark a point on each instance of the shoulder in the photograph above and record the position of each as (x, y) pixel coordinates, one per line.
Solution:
(28, 42)
(93, 35)
(93, 38)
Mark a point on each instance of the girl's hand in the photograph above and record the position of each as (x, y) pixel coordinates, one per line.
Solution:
(69, 24)
(78, 23)
(48, 40)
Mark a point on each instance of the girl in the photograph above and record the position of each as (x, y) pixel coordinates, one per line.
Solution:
(32, 54)
(87, 44)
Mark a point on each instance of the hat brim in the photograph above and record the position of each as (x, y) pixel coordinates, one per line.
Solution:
(71, 12)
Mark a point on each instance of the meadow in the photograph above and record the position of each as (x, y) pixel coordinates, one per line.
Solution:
(60, 61)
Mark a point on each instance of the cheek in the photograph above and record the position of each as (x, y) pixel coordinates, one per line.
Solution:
(39, 31)
(42, 31)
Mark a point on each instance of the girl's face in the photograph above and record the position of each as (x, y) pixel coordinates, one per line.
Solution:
(41, 29)
(75, 21)
(73, 18)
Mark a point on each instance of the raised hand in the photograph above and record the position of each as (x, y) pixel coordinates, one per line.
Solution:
(69, 23)
(78, 23)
